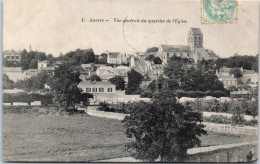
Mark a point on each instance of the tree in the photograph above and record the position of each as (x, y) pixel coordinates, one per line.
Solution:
(157, 60)
(150, 57)
(64, 86)
(134, 81)
(236, 72)
(7, 83)
(153, 49)
(95, 78)
(163, 129)
(118, 81)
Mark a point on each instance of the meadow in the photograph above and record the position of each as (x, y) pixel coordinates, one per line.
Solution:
(52, 137)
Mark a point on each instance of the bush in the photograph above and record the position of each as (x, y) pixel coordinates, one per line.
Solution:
(218, 119)
(103, 106)
(199, 94)
(45, 99)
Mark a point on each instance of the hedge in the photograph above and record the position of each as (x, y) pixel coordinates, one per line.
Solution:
(45, 99)
(199, 94)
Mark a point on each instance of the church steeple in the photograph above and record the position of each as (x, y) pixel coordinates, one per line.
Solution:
(30, 48)
(195, 38)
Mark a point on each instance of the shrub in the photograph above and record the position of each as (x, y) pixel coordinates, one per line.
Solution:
(218, 119)
(103, 106)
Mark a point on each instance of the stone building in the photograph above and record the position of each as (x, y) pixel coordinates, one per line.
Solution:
(117, 58)
(11, 55)
(193, 50)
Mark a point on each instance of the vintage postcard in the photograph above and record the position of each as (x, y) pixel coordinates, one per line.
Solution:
(130, 81)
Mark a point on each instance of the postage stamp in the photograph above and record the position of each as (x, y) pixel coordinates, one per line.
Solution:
(219, 11)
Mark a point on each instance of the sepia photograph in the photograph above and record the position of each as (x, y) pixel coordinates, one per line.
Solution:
(130, 81)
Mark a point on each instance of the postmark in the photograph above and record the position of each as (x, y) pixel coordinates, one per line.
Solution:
(219, 11)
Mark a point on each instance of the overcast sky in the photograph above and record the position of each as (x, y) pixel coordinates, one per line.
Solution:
(55, 26)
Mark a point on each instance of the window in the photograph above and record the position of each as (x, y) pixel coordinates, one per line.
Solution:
(88, 89)
(17, 57)
(94, 89)
(12, 57)
(8, 57)
(101, 89)
(109, 89)
(168, 54)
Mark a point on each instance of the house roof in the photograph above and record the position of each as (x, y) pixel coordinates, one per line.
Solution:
(248, 71)
(225, 69)
(101, 83)
(44, 61)
(175, 48)
(31, 72)
(196, 31)
(12, 69)
(204, 53)
(114, 54)
(47, 69)
(227, 78)
(157, 66)
(86, 65)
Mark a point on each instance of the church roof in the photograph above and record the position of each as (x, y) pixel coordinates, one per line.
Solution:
(175, 48)
(205, 53)
(196, 31)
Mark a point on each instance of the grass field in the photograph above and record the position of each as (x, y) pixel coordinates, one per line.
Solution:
(31, 137)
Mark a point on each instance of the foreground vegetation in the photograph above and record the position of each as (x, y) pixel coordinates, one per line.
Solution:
(48, 136)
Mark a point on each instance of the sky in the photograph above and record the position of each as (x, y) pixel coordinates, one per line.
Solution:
(55, 26)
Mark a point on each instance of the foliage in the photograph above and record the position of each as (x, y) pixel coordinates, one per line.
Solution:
(46, 99)
(134, 81)
(188, 78)
(157, 60)
(95, 78)
(34, 83)
(153, 49)
(7, 63)
(162, 129)
(218, 119)
(236, 72)
(150, 57)
(7, 83)
(102, 59)
(245, 61)
(103, 106)
(118, 81)
(78, 57)
(64, 86)
(248, 107)
(29, 60)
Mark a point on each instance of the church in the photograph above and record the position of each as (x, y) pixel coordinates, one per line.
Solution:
(193, 50)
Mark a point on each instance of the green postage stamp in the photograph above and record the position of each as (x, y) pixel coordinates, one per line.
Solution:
(219, 11)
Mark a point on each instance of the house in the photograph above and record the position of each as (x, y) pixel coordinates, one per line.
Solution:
(140, 65)
(228, 81)
(42, 64)
(239, 94)
(31, 72)
(249, 76)
(107, 72)
(167, 51)
(117, 58)
(97, 87)
(11, 55)
(14, 73)
(156, 71)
